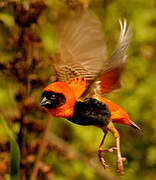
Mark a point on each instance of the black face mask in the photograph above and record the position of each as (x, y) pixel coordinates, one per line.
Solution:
(51, 99)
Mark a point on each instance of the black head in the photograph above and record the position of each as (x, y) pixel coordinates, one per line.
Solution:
(51, 99)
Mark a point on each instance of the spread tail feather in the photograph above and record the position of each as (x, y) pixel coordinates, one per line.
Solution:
(134, 125)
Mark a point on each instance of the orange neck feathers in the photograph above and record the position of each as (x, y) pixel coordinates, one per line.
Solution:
(78, 85)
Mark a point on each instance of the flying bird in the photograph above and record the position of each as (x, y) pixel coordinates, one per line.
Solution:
(84, 74)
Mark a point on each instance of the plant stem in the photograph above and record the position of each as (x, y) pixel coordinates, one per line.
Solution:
(41, 150)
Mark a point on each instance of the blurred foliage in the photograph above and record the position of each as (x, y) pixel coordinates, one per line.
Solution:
(15, 152)
(137, 96)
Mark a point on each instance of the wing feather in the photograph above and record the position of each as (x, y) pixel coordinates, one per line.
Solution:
(119, 57)
(82, 49)
(82, 52)
(109, 78)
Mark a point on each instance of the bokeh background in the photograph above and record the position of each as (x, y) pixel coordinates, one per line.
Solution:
(28, 41)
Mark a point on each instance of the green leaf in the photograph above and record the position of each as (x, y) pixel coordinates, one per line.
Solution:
(7, 19)
(15, 152)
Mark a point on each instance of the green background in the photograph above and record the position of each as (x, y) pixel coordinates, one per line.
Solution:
(137, 96)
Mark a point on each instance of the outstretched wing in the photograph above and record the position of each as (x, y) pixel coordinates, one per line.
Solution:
(82, 50)
(109, 77)
(82, 53)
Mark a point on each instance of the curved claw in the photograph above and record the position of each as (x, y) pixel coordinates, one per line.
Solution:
(103, 162)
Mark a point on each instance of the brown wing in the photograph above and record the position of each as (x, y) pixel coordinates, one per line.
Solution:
(82, 53)
(109, 78)
(82, 50)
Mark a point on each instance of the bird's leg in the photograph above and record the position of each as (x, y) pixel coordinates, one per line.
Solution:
(103, 162)
(120, 159)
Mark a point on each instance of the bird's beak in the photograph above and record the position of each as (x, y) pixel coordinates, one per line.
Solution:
(45, 101)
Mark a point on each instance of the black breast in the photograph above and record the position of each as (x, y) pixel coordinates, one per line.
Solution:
(91, 112)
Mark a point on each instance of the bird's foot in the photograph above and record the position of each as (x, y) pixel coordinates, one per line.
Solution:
(103, 162)
(119, 164)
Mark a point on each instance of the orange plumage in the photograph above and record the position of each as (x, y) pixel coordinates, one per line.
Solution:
(84, 73)
(118, 114)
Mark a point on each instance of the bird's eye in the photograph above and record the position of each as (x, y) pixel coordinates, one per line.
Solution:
(53, 97)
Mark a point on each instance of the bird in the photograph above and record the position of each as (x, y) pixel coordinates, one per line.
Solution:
(84, 74)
